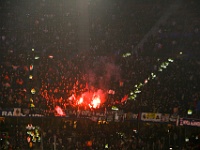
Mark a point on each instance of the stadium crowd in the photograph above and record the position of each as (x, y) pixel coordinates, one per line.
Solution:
(49, 31)
(60, 72)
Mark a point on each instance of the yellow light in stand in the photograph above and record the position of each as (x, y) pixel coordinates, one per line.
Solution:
(30, 77)
(37, 57)
(31, 100)
(33, 91)
(189, 112)
(115, 108)
(32, 105)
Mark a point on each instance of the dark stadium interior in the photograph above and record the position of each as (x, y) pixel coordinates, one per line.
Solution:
(99, 74)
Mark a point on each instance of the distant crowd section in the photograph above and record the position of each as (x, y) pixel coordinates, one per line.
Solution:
(115, 29)
(41, 67)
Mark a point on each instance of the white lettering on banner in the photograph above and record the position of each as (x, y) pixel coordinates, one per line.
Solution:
(186, 122)
(11, 113)
(189, 122)
(181, 121)
(36, 115)
(195, 124)
(7, 113)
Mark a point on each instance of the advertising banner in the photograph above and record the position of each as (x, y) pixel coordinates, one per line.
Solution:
(154, 117)
(18, 112)
(189, 122)
(108, 115)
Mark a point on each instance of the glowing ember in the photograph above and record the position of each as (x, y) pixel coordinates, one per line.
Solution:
(59, 111)
(80, 101)
(95, 101)
(31, 67)
(51, 56)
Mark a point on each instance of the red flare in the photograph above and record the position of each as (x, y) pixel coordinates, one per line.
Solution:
(59, 111)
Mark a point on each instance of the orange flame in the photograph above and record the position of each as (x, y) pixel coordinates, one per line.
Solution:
(95, 101)
(80, 101)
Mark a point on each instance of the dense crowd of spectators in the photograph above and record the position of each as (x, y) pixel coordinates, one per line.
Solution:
(177, 34)
(117, 27)
(90, 135)
(45, 26)
(177, 38)
(62, 73)
(86, 134)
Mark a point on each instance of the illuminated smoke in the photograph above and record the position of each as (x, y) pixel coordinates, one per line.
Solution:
(112, 72)
(103, 71)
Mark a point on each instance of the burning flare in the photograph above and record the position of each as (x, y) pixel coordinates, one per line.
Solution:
(59, 111)
(95, 101)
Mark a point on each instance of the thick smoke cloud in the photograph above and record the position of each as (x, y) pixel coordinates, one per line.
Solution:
(102, 72)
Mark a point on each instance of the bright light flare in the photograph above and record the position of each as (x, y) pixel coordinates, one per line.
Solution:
(126, 55)
(91, 99)
(95, 101)
(31, 67)
(59, 111)
(51, 56)
(80, 101)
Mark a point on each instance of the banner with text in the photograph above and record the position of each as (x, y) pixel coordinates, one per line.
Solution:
(189, 122)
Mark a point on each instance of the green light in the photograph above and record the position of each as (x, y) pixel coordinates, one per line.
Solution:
(115, 108)
(189, 112)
